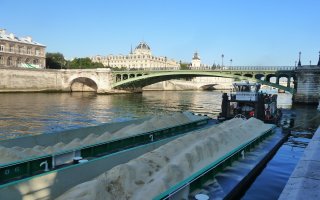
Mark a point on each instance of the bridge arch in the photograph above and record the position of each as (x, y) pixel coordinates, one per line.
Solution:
(248, 75)
(269, 76)
(83, 84)
(143, 79)
(259, 76)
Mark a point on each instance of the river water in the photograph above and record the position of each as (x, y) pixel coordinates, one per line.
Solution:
(24, 114)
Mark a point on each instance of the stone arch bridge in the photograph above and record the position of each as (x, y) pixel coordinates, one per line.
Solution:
(134, 80)
(107, 81)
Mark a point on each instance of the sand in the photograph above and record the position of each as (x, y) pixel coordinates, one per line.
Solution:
(12, 154)
(152, 173)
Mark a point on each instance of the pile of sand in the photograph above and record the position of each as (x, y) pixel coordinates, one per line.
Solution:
(18, 153)
(151, 174)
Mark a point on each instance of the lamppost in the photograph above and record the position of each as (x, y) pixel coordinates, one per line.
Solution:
(231, 62)
(222, 56)
(165, 62)
(299, 62)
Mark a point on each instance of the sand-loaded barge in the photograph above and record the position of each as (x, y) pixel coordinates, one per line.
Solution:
(166, 157)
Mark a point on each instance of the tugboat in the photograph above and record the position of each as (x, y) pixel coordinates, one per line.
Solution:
(247, 101)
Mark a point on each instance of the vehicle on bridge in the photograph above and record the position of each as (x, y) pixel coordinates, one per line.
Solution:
(246, 100)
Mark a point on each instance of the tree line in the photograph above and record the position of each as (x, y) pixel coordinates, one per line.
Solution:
(57, 61)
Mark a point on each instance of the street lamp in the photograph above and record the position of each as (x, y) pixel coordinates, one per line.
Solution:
(165, 62)
(299, 62)
(222, 56)
(230, 62)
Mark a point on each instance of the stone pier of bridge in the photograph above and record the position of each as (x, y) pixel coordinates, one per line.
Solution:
(308, 85)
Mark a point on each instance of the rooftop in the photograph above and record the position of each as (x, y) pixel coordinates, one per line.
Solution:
(13, 38)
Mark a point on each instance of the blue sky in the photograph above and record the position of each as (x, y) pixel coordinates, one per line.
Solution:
(250, 32)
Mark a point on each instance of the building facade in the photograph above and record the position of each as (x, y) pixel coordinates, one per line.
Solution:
(21, 51)
(140, 58)
(196, 61)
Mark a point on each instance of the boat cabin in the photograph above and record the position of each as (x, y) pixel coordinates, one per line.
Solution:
(245, 91)
(246, 100)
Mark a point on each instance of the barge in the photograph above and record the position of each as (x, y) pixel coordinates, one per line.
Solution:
(49, 176)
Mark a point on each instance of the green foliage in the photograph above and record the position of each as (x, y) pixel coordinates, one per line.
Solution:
(184, 66)
(118, 68)
(83, 63)
(55, 61)
(214, 66)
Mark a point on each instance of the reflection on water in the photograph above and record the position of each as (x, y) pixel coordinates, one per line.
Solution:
(37, 113)
(270, 183)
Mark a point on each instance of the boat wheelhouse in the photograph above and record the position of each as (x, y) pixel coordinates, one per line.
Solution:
(246, 100)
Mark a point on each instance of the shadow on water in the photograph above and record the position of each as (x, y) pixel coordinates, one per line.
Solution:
(270, 183)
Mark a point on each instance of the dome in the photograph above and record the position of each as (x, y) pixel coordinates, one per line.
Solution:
(142, 49)
(143, 45)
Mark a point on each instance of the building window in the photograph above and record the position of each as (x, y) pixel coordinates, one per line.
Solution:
(1, 47)
(11, 48)
(38, 53)
(19, 61)
(29, 50)
(36, 61)
(28, 61)
(1, 60)
(20, 49)
(10, 61)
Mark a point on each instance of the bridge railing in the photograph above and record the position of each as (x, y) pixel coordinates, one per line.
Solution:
(208, 68)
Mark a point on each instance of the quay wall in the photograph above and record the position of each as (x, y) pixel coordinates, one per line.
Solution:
(30, 81)
(45, 80)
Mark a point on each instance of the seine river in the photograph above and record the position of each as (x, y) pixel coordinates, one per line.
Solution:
(24, 114)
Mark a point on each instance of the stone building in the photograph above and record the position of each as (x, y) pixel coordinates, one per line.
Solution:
(140, 58)
(196, 61)
(21, 51)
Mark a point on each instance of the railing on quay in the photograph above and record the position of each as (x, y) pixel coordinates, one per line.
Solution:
(233, 68)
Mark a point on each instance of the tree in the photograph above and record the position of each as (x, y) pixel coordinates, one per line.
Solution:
(83, 63)
(214, 66)
(184, 66)
(55, 61)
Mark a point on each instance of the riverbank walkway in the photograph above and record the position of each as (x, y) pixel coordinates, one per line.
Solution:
(304, 182)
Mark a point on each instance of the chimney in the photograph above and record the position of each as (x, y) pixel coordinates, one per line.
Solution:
(28, 38)
(11, 36)
(2, 32)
